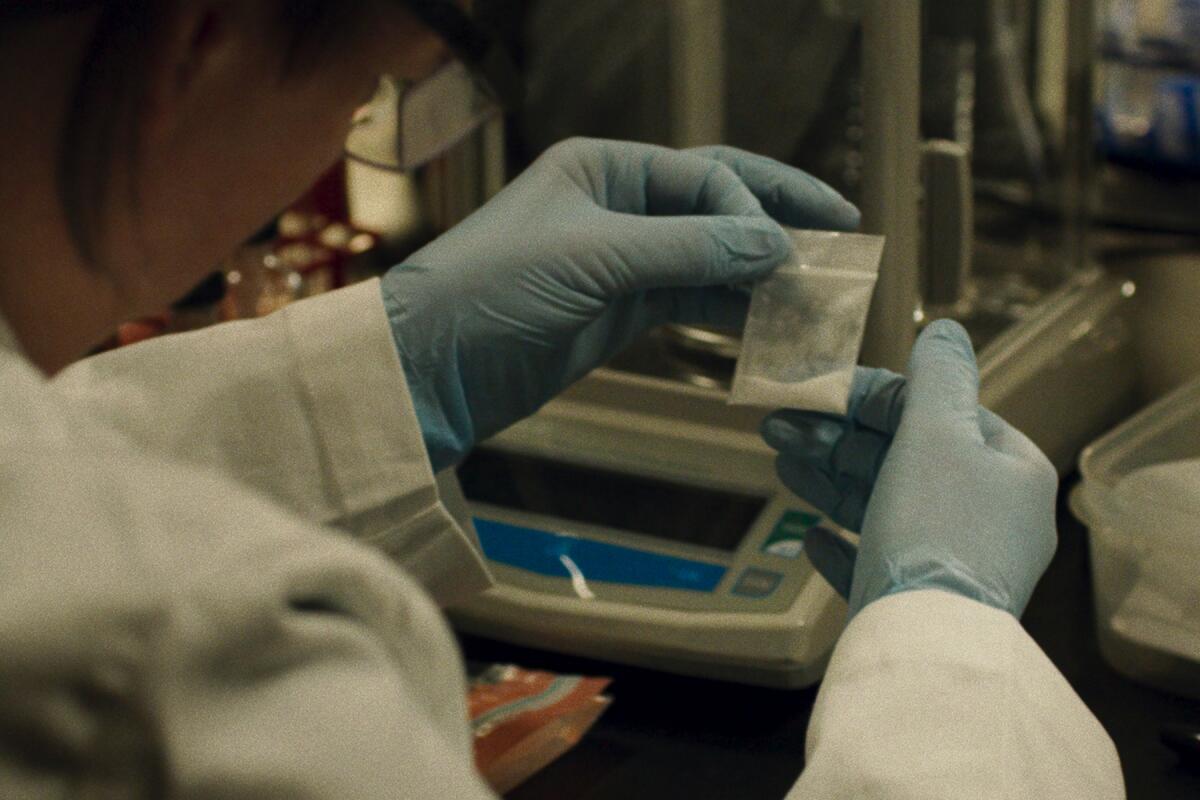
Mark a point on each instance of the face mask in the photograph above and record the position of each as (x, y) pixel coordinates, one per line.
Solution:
(404, 127)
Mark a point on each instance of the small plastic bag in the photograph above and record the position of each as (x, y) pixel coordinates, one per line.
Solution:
(806, 324)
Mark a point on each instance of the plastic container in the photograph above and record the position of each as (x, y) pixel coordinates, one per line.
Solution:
(1131, 535)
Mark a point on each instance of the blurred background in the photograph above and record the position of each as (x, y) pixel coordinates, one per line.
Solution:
(1034, 164)
(1007, 148)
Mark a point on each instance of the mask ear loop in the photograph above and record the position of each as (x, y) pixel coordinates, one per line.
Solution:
(403, 90)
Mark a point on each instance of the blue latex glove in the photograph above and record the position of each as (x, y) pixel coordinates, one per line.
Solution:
(947, 495)
(594, 244)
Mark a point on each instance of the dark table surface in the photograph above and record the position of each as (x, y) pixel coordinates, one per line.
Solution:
(668, 737)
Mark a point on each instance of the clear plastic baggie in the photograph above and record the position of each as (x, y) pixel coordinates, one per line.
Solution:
(806, 324)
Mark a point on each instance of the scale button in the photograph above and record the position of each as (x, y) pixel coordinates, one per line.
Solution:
(787, 540)
(757, 583)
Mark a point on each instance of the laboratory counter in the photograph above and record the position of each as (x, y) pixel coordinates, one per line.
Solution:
(666, 736)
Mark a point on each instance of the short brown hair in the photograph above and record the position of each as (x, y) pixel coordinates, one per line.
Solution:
(109, 93)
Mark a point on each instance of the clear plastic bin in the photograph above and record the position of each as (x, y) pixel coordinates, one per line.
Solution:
(1163, 652)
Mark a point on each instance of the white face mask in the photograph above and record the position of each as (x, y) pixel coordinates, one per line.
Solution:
(405, 127)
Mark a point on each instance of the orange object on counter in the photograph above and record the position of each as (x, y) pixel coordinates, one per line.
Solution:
(524, 719)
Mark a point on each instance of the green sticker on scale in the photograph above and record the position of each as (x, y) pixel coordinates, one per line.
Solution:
(787, 540)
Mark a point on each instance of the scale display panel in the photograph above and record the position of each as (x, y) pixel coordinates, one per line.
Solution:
(660, 509)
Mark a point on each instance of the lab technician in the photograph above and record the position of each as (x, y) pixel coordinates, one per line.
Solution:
(222, 554)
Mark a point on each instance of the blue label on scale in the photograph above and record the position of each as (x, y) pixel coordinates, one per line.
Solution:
(550, 553)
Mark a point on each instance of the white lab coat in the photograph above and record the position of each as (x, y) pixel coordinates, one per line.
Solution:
(183, 610)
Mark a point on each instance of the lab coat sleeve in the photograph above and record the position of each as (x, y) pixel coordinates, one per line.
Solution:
(931, 695)
(309, 406)
(166, 633)
(309, 670)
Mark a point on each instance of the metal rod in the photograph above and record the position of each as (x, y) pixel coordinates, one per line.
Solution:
(890, 200)
(697, 30)
(1080, 167)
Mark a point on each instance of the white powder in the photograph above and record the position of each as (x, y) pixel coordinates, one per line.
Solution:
(806, 324)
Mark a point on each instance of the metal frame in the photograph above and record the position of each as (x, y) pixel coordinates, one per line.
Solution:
(891, 197)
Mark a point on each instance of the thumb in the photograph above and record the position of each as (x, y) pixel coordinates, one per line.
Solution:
(943, 381)
(833, 557)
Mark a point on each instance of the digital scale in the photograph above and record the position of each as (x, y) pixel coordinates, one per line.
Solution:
(640, 521)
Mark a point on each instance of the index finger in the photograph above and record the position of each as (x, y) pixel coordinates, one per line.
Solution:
(649, 180)
(789, 195)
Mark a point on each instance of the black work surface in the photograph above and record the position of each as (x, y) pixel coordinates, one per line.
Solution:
(672, 737)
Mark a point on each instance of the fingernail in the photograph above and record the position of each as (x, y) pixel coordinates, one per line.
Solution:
(772, 244)
(951, 332)
(829, 191)
(847, 214)
(826, 432)
(853, 217)
(776, 431)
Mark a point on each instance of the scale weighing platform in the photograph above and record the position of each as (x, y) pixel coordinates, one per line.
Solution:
(640, 521)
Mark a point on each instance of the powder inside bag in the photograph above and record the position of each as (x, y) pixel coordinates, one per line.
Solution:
(806, 324)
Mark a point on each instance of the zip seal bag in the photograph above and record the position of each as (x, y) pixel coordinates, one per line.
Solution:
(806, 324)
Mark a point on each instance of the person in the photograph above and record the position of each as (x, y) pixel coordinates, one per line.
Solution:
(224, 551)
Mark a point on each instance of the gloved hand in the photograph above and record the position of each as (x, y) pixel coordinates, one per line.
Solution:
(947, 495)
(594, 244)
